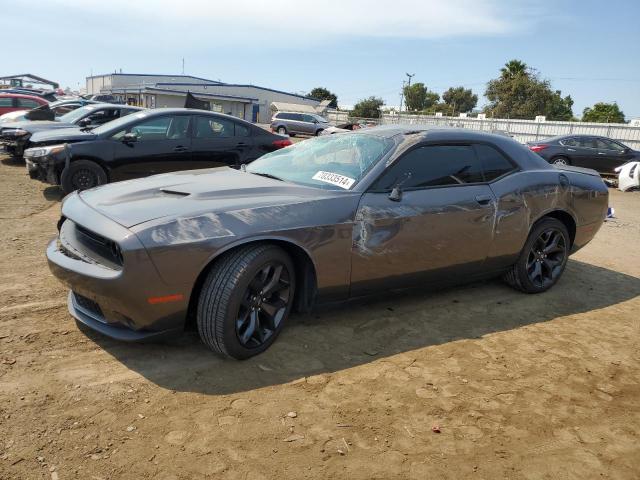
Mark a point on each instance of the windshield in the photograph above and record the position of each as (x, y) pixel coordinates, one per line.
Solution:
(121, 122)
(331, 162)
(77, 114)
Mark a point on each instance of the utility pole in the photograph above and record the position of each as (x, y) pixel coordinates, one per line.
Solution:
(402, 96)
(182, 65)
(410, 75)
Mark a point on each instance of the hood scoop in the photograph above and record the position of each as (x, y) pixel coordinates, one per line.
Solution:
(174, 192)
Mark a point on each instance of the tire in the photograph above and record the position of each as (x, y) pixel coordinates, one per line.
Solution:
(550, 257)
(560, 161)
(318, 132)
(282, 131)
(82, 175)
(234, 298)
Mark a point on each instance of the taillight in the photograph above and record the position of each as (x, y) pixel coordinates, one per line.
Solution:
(282, 143)
(538, 148)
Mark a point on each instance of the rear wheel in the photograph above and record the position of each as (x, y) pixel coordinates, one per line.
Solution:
(543, 258)
(561, 161)
(318, 132)
(245, 300)
(82, 175)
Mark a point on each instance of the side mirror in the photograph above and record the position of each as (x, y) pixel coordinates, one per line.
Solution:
(396, 194)
(129, 138)
(85, 122)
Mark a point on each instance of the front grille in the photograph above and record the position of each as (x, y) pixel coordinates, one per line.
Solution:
(88, 304)
(78, 241)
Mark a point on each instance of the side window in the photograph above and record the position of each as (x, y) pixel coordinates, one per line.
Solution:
(494, 163)
(27, 103)
(242, 130)
(211, 127)
(609, 145)
(6, 102)
(284, 116)
(587, 142)
(297, 117)
(161, 128)
(569, 142)
(433, 166)
(307, 118)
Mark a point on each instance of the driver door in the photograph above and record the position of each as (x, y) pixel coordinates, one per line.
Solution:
(162, 145)
(439, 230)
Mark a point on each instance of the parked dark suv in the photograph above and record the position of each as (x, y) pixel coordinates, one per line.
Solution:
(291, 123)
(599, 153)
(146, 143)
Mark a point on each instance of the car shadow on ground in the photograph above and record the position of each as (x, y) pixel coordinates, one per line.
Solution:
(53, 193)
(11, 161)
(356, 333)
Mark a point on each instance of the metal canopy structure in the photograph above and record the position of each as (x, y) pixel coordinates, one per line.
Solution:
(22, 78)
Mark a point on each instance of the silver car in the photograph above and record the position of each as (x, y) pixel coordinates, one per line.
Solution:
(291, 123)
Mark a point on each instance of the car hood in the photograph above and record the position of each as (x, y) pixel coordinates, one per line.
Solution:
(190, 193)
(62, 135)
(42, 125)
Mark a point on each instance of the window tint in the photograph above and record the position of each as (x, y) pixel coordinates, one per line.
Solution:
(609, 145)
(433, 166)
(297, 117)
(587, 142)
(27, 103)
(242, 130)
(160, 128)
(5, 102)
(569, 142)
(208, 127)
(494, 163)
(307, 118)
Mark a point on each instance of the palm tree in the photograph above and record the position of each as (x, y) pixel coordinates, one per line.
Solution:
(513, 68)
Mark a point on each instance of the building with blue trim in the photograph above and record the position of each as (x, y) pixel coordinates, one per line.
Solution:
(250, 102)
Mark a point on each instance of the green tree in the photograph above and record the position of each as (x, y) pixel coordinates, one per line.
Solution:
(322, 93)
(460, 99)
(513, 68)
(603, 113)
(368, 108)
(417, 97)
(520, 93)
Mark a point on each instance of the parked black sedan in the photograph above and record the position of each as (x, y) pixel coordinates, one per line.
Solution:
(17, 137)
(146, 143)
(599, 153)
(329, 218)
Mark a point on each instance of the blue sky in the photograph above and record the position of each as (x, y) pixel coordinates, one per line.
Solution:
(356, 48)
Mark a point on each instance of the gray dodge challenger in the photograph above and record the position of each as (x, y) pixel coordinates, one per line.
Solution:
(324, 220)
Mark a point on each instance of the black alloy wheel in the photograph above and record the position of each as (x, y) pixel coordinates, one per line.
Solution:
(546, 258)
(84, 179)
(543, 257)
(264, 305)
(246, 299)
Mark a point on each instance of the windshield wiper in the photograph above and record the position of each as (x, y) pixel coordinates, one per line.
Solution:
(268, 175)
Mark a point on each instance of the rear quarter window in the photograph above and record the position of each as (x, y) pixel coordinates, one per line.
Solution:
(494, 163)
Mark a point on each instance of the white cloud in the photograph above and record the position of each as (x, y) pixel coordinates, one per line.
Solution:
(327, 18)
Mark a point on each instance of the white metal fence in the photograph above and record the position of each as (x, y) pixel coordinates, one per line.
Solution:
(521, 130)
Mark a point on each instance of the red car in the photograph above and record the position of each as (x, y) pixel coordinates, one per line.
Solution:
(10, 102)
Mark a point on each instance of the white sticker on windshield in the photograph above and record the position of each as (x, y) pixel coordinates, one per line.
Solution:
(334, 179)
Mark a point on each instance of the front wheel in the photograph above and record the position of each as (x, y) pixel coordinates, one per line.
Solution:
(543, 258)
(82, 175)
(245, 300)
(561, 161)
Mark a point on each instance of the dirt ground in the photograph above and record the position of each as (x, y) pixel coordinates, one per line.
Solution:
(531, 387)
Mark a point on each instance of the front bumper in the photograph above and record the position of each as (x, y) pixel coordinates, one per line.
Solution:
(43, 169)
(115, 301)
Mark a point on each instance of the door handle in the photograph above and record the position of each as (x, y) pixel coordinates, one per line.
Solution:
(241, 144)
(570, 150)
(483, 199)
(601, 153)
(180, 148)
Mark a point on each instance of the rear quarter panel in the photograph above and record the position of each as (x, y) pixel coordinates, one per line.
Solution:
(525, 197)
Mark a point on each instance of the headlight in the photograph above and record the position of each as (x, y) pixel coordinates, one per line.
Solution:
(14, 132)
(43, 151)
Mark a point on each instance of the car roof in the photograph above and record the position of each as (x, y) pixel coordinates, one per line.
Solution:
(105, 105)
